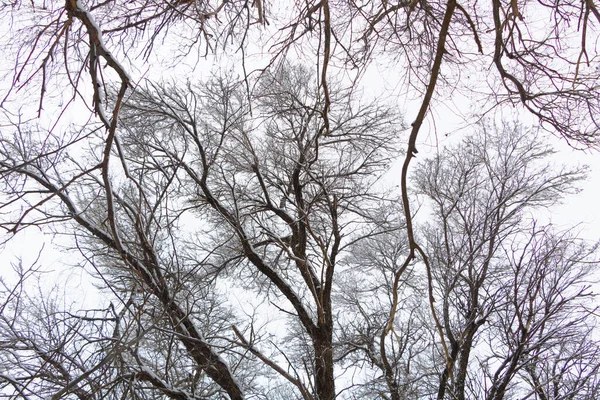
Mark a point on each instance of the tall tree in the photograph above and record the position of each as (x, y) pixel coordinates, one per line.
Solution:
(495, 273)
(282, 197)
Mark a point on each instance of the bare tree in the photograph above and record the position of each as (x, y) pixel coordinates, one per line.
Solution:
(545, 317)
(172, 193)
(282, 198)
(481, 195)
(396, 365)
(219, 202)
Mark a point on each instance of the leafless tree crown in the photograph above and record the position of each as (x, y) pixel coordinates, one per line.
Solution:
(240, 227)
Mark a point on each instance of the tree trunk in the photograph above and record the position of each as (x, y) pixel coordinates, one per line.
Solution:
(324, 381)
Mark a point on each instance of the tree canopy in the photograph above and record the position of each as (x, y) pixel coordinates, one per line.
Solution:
(239, 223)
